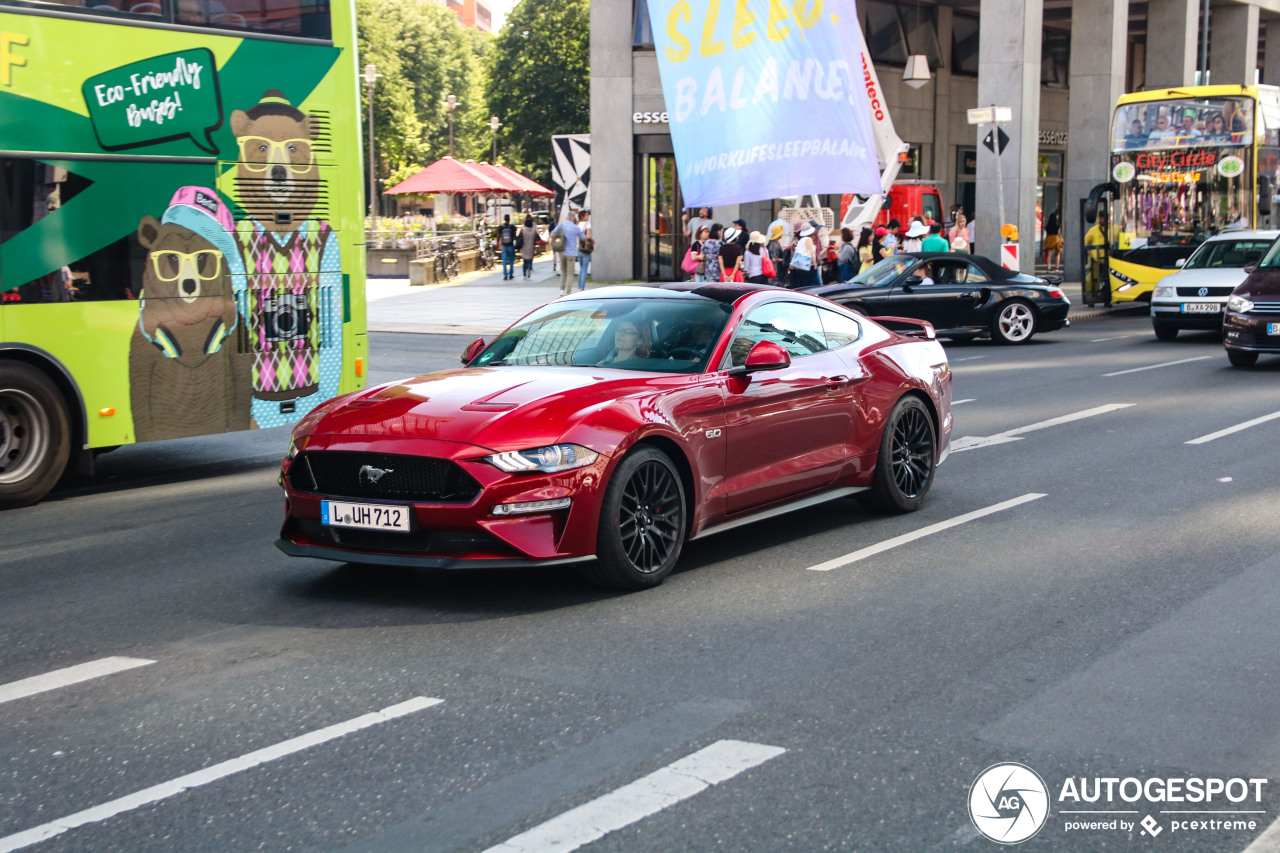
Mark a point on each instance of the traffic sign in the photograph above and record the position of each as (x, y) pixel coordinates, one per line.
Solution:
(992, 136)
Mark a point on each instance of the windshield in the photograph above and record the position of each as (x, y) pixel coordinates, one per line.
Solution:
(652, 334)
(884, 272)
(1228, 253)
(1183, 121)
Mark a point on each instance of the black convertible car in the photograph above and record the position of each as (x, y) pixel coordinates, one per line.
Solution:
(962, 295)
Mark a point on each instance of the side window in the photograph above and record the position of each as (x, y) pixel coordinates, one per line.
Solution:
(795, 327)
(974, 275)
(839, 330)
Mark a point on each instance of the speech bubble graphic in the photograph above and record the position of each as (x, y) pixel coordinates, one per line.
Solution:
(156, 100)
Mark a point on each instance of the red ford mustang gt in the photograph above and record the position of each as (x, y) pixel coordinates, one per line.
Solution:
(609, 427)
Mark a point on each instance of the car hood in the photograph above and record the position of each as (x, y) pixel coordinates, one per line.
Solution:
(498, 409)
(1207, 277)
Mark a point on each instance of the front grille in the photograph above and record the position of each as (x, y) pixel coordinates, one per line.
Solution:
(351, 474)
(1266, 308)
(1212, 291)
(436, 543)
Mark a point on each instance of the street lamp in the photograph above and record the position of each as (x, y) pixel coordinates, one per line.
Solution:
(371, 76)
(451, 102)
(494, 124)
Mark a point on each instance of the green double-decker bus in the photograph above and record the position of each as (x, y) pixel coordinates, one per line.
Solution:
(181, 229)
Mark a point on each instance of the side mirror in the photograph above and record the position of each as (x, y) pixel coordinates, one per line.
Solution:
(912, 281)
(473, 349)
(1249, 268)
(765, 355)
(1180, 263)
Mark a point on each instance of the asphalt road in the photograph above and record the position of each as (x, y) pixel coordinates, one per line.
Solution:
(1115, 619)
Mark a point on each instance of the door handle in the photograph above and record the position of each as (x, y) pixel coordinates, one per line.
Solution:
(836, 382)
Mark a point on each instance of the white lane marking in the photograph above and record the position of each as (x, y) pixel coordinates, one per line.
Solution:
(966, 400)
(1204, 439)
(906, 538)
(969, 442)
(968, 358)
(164, 790)
(1116, 338)
(648, 795)
(1154, 366)
(66, 677)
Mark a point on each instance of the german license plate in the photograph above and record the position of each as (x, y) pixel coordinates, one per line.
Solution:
(1273, 328)
(1201, 308)
(366, 516)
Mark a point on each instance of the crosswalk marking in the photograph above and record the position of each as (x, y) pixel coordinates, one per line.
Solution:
(164, 790)
(648, 795)
(66, 677)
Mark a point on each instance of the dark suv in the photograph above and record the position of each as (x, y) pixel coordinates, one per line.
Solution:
(1251, 323)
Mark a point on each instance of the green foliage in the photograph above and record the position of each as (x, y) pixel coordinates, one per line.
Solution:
(533, 77)
(539, 81)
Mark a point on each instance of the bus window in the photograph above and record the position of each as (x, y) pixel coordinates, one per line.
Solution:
(308, 18)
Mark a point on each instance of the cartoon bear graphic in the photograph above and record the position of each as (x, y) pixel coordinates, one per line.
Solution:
(292, 259)
(186, 375)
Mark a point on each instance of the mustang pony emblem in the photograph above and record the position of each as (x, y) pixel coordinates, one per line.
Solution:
(371, 475)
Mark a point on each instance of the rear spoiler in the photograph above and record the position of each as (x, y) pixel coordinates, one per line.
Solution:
(908, 327)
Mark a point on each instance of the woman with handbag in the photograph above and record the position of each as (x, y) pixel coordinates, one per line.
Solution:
(804, 260)
(847, 257)
(699, 271)
(756, 264)
(711, 253)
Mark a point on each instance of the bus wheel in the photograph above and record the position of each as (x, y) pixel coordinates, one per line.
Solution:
(35, 435)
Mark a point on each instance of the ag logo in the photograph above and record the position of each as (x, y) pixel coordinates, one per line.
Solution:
(1230, 166)
(1008, 803)
(1123, 172)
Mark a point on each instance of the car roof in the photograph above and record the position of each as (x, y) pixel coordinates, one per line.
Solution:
(1243, 235)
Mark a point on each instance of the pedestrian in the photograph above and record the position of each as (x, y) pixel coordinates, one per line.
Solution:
(959, 234)
(866, 250)
(845, 260)
(913, 240)
(774, 249)
(526, 241)
(700, 272)
(507, 244)
(877, 244)
(1053, 239)
(892, 238)
(711, 252)
(697, 223)
(935, 242)
(743, 234)
(585, 248)
(568, 232)
(973, 245)
(753, 260)
(804, 260)
(730, 257)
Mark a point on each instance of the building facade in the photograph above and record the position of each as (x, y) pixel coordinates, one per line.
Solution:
(1059, 64)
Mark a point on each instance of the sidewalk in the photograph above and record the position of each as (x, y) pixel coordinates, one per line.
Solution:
(480, 304)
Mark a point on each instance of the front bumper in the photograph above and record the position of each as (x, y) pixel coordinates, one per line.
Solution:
(450, 535)
(1248, 332)
(1170, 313)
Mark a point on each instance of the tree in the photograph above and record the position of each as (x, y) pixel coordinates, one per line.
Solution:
(539, 83)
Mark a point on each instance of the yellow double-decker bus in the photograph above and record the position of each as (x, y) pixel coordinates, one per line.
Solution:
(1185, 164)
(181, 240)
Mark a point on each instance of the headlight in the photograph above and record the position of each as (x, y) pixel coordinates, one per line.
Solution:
(293, 449)
(1164, 292)
(549, 460)
(1239, 304)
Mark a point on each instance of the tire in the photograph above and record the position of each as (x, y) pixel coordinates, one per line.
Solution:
(1164, 331)
(1014, 323)
(35, 435)
(1241, 358)
(642, 523)
(907, 461)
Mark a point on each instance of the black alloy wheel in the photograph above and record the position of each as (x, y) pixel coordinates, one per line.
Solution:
(907, 461)
(642, 523)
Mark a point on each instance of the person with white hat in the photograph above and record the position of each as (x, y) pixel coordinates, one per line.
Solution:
(730, 255)
(913, 240)
(753, 259)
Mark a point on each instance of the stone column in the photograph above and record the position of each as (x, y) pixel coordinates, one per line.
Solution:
(1099, 35)
(944, 157)
(1233, 44)
(612, 170)
(1271, 53)
(1173, 27)
(1009, 76)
